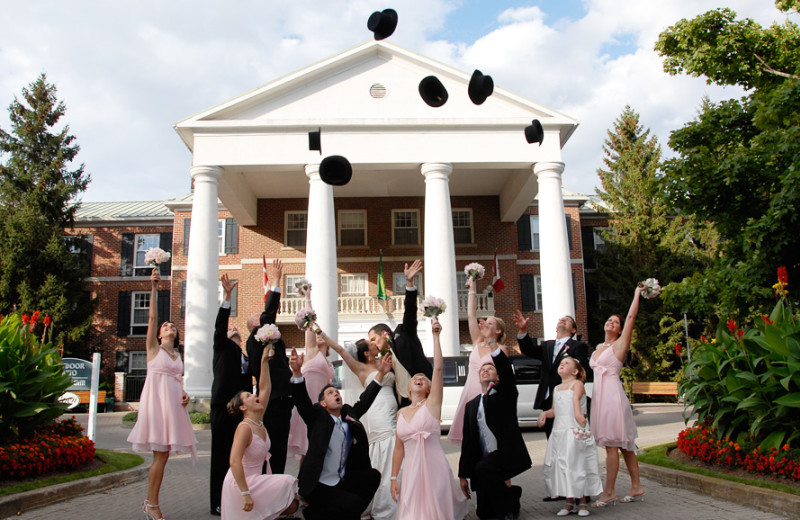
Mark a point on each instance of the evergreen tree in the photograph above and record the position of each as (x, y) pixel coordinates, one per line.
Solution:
(644, 240)
(39, 267)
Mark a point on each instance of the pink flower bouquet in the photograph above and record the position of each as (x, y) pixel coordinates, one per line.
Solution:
(474, 271)
(268, 334)
(155, 256)
(651, 288)
(305, 318)
(433, 307)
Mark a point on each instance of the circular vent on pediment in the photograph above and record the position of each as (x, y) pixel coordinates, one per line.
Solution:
(377, 91)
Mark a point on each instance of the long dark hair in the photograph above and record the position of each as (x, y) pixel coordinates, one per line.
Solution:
(177, 334)
(362, 347)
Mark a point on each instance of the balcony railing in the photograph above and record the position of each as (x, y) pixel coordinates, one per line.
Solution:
(357, 307)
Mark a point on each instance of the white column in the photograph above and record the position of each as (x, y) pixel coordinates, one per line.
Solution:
(201, 282)
(321, 252)
(555, 266)
(440, 255)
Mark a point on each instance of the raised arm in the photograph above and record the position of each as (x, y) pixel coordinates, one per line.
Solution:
(264, 382)
(311, 337)
(358, 368)
(299, 393)
(410, 313)
(152, 319)
(527, 345)
(223, 315)
(434, 403)
(472, 311)
(273, 302)
(622, 345)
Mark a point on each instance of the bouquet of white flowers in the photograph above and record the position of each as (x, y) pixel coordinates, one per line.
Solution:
(302, 286)
(305, 318)
(155, 256)
(651, 288)
(474, 271)
(433, 307)
(268, 334)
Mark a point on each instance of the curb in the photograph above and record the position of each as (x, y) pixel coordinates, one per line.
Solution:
(17, 503)
(767, 500)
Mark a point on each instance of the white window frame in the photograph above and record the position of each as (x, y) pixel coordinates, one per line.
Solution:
(461, 280)
(599, 243)
(341, 223)
(136, 250)
(137, 360)
(535, 233)
(145, 296)
(399, 283)
(394, 227)
(364, 277)
(537, 292)
(286, 229)
(471, 225)
(290, 291)
(221, 236)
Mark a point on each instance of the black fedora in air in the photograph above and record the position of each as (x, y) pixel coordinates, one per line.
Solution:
(432, 91)
(534, 133)
(382, 23)
(315, 141)
(480, 87)
(335, 170)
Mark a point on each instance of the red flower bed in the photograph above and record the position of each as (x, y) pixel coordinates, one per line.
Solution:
(700, 443)
(58, 448)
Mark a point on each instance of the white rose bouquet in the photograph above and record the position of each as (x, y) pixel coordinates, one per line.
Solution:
(305, 318)
(155, 256)
(268, 334)
(475, 271)
(651, 288)
(432, 307)
(302, 286)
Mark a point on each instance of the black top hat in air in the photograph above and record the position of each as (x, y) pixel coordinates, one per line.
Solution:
(382, 23)
(315, 140)
(534, 133)
(335, 170)
(480, 87)
(432, 91)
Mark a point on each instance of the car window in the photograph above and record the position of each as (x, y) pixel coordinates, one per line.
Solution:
(526, 370)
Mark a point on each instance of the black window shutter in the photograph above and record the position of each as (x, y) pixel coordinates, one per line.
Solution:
(86, 252)
(126, 255)
(121, 361)
(187, 224)
(234, 298)
(569, 231)
(528, 292)
(524, 233)
(163, 307)
(124, 314)
(231, 237)
(165, 243)
(183, 298)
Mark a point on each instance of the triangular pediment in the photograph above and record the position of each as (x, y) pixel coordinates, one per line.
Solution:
(374, 85)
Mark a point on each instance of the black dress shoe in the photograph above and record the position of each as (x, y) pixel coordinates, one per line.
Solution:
(216, 512)
(553, 499)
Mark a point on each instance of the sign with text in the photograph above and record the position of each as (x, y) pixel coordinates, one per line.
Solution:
(80, 371)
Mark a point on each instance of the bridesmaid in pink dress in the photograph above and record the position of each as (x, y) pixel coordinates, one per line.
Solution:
(485, 336)
(430, 492)
(612, 418)
(163, 424)
(246, 493)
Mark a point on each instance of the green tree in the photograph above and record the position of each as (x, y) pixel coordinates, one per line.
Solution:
(738, 163)
(644, 240)
(38, 200)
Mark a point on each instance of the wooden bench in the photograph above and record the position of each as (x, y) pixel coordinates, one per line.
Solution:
(84, 395)
(654, 388)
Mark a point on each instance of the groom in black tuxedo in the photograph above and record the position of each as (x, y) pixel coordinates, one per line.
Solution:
(231, 376)
(279, 416)
(550, 353)
(336, 477)
(492, 449)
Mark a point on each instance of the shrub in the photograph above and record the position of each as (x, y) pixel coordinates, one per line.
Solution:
(31, 378)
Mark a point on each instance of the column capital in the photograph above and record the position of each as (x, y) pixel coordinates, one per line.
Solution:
(312, 172)
(207, 171)
(436, 168)
(556, 168)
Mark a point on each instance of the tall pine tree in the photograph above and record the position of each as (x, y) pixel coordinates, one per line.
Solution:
(40, 267)
(644, 240)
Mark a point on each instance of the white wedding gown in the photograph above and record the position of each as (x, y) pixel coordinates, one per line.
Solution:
(380, 422)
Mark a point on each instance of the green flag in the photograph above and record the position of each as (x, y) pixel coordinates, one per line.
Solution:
(381, 281)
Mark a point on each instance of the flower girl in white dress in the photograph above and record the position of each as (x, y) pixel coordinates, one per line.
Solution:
(571, 467)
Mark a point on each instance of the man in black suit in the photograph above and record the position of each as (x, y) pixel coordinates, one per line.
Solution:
(231, 376)
(279, 414)
(407, 352)
(492, 449)
(336, 477)
(550, 353)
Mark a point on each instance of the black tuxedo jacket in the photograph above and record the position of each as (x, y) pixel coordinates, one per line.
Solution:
(227, 365)
(500, 408)
(549, 371)
(279, 371)
(320, 425)
(406, 344)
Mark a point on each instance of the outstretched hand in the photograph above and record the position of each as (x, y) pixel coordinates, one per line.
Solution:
(274, 272)
(520, 321)
(385, 364)
(436, 327)
(155, 277)
(228, 285)
(411, 272)
(296, 363)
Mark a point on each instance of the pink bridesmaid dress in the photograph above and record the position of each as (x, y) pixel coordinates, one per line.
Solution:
(317, 373)
(428, 490)
(612, 417)
(271, 494)
(472, 387)
(163, 423)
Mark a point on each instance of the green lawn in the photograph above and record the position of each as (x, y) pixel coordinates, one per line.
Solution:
(114, 461)
(657, 456)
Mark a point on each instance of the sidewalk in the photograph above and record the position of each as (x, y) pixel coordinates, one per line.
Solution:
(184, 494)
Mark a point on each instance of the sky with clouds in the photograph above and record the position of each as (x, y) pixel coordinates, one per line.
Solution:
(127, 70)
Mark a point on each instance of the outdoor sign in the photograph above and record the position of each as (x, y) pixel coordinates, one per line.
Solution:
(70, 399)
(80, 371)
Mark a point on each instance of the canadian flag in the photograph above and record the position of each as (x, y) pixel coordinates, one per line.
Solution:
(265, 281)
(497, 282)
